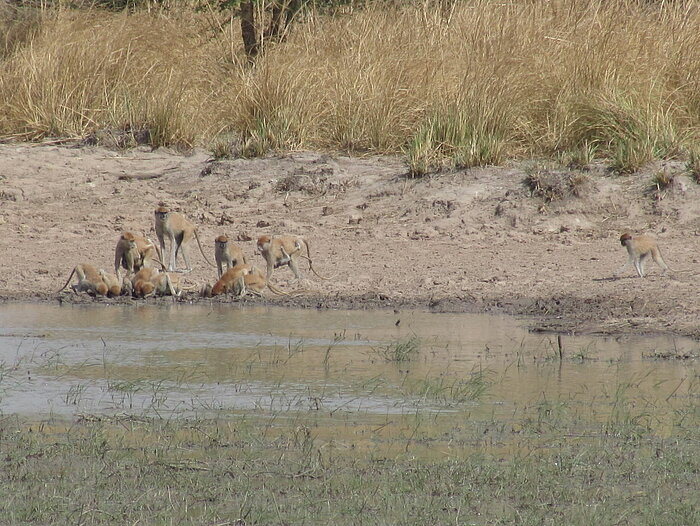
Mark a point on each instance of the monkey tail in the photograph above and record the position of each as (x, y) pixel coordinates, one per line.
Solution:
(325, 278)
(67, 281)
(202, 250)
(280, 292)
(171, 289)
(311, 263)
(277, 291)
(159, 253)
(659, 260)
(117, 264)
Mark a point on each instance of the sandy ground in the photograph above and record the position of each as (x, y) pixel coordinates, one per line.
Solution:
(467, 241)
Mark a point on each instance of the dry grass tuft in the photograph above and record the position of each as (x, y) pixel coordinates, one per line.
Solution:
(554, 185)
(476, 85)
(662, 179)
(693, 165)
(89, 70)
(17, 27)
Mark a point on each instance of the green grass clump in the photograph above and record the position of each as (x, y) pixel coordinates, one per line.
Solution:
(453, 390)
(400, 350)
(460, 138)
(631, 130)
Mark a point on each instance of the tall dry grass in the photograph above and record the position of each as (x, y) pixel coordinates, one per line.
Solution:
(89, 70)
(473, 83)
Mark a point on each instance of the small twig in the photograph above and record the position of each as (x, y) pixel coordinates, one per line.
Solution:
(560, 347)
(139, 177)
(676, 389)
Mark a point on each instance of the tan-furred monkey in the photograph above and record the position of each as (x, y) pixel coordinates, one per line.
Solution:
(639, 249)
(179, 231)
(134, 252)
(142, 282)
(284, 250)
(89, 280)
(114, 284)
(239, 280)
(227, 252)
(150, 282)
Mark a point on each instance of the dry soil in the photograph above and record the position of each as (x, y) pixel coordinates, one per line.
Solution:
(477, 240)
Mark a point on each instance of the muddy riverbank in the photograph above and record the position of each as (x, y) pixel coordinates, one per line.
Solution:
(530, 239)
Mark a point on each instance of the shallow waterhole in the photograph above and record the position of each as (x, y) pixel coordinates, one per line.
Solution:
(428, 377)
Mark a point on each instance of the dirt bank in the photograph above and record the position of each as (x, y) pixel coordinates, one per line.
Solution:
(474, 240)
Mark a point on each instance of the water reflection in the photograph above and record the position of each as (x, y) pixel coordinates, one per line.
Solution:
(183, 360)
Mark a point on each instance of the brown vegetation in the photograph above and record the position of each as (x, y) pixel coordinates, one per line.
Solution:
(475, 83)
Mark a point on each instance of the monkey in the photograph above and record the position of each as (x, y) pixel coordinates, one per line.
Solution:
(134, 252)
(127, 254)
(127, 287)
(639, 249)
(226, 282)
(143, 288)
(149, 251)
(151, 282)
(89, 280)
(278, 252)
(166, 285)
(114, 284)
(239, 280)
(142, 282)
(283, 250)
(228, 253)
(179, 231)
(146, 273)
(255, 282)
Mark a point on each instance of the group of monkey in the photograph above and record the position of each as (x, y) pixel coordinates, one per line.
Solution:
(137, 255)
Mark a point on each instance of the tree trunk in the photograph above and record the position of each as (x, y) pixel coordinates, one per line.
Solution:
(282, 14)
(250, 39)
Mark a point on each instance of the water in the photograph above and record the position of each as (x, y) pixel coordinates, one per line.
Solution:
(185, 360)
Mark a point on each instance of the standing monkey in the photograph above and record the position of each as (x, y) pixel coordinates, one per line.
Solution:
(639, 249)
(179, 231)
(227, 252)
